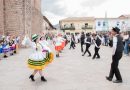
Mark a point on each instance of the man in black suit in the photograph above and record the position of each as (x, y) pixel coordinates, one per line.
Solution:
(97, 43)
(82, 41)
(88, 44)
(117, 55)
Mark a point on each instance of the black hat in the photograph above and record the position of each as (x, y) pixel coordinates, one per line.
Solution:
(82, 32)
(87, 34)
(116, 29)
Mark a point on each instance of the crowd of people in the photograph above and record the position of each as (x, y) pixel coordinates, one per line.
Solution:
(105, 39)
(119, 41)
(42, 54)
(8, 45)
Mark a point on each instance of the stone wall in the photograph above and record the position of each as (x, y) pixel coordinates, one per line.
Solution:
(37, 20)
(14, 17)
(20, 17)
(1, 17)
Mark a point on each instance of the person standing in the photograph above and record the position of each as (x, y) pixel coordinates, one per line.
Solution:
(117, 55)
(82, 41)
(88, 44)
(110, 40)
(106, 39)
(126, 47)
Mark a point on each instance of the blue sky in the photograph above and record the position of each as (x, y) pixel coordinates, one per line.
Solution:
(56, 10)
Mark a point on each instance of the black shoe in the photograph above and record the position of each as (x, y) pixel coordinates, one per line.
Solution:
(15, 52)
(89, 55)
(117, 81)
(32, 78)
(109, 79)
(43, 79)
(93, 58)
(11, 54)
(98, 58)
(5, 56)
(57, 55)
(83, 55)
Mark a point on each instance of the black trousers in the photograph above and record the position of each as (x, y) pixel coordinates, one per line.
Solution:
(87, 49)
(82, 43)
(114, 66)
(72, 45)
(96, 53)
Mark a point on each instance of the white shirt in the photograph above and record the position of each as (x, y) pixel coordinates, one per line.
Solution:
(114, 44)
(125, 37)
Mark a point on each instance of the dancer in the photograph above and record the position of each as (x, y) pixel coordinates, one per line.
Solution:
(82, 41)
(117, 55)
(58, 45)
(88, 44)
(37, 60)
(97, 42)
(46, 50)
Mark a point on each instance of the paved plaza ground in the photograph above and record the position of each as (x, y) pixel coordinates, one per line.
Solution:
(71, 71)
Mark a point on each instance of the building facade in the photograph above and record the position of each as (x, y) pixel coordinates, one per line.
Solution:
(106, 24)
(77, 24)
(91, 24)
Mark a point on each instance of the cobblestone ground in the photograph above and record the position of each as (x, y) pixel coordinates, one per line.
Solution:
(69, 72)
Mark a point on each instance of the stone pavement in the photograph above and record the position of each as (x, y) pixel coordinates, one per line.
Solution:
(69, 72)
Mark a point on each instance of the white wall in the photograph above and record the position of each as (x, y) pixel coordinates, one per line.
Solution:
(112, 23)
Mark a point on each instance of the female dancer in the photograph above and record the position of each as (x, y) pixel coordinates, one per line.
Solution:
(37, 60)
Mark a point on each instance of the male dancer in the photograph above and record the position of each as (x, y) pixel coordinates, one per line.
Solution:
(97, 42)
(82, 41)
(88, 44)
(117, 55)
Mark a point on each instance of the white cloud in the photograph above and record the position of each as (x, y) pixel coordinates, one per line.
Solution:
(72, 8)
(54, 19)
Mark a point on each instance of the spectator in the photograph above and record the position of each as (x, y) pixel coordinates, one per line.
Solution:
(126, 40)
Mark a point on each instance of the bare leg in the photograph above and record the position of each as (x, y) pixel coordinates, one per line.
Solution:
(35, 71)
(40, 72)
(42, 77)
(32, 76)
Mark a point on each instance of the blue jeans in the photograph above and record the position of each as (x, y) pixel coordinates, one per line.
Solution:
(126, 47)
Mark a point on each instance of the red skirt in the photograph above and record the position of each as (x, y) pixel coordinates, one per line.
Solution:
(58, 48)
(63, 45)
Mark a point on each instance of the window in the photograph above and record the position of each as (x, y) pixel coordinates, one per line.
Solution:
(86, 24)
(64, 26)
(104, 24)
(123, 22)
(72, 25)
(99, 23)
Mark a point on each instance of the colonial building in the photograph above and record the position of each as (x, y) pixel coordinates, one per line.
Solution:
(91, 24)
(77, 24)
(106, 24)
